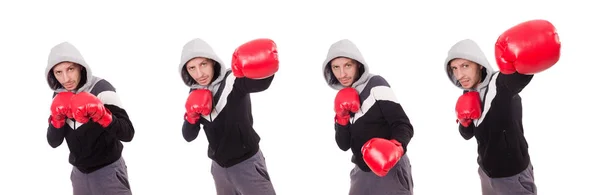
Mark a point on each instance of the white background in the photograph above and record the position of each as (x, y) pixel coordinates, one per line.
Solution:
(136, 47)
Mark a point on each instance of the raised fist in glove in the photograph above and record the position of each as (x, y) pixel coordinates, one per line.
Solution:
(60, 109)
(468, 108)
(198, 103)
(528, 48)
(346, 101)
(86, 106)
(256, 59)
(381, 155)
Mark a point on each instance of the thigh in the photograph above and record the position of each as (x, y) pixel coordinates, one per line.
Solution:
(79, 182)
(112, 179)
(251, 177)
(486, 185)
(520, 184)
(397, 182)
(223, 185)
(405, 174)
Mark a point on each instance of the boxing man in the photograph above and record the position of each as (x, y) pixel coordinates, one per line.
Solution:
(87, 112)
(219, 100)
(370, 121)
(490, 107)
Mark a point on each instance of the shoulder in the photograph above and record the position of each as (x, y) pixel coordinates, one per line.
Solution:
(377, 81)
(379, 88)
(101, 86)
(105, 91)
(377, 84)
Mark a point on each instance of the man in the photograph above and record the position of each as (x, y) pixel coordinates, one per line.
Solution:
(87, 112)
(219, 100)
(370, 121)
(528, 48)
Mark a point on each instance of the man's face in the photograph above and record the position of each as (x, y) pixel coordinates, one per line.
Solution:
(468, 73)
(68, 74)
(345, 70)
(201, 70)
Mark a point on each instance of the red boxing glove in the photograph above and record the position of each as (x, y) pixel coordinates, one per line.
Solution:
(60, 109)
(528, 48)
(381, 155)
(199, 102)
(468, 108)
(256, 59)
(86, 106)
(346, 101)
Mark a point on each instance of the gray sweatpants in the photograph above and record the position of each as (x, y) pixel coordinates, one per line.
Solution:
(398, 181)
(109, 180)
(519, 184)
(250, 177)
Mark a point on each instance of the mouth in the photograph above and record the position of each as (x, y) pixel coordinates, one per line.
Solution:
(69, 85)
(202, 80)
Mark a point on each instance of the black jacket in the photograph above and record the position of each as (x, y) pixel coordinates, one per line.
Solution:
(91, 146)
(229, 128)
(380, 115)
(501, 145)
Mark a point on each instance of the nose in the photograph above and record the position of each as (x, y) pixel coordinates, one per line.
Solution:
(65, 77)
(458, 74)
(343, 72)
(198, 72)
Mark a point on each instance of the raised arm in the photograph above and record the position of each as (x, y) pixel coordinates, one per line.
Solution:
(466, 132)
(402, 129)
(254, 64)
(60, 110)
(342, 136)
(55, 135)
(523, 50)
(120, 125)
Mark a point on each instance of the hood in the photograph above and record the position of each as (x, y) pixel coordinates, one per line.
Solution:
(345, 48)
(66, 52)
(199, 48)
(469, 50)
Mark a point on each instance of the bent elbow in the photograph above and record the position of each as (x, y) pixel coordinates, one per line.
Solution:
(467, 137)
(54, 143)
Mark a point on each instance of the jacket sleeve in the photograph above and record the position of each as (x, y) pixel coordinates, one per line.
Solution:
(247, 85)
(56, 136)
(513, 83)
(342, 136)
(190, 131)
(392, 111)
(121, 126)
(466, 132)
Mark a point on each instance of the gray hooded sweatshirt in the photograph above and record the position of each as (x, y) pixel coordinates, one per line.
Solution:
(502, 148)
(91, 146)
(468, 49)
(200, 48)
(66, 52)
(380, 115)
